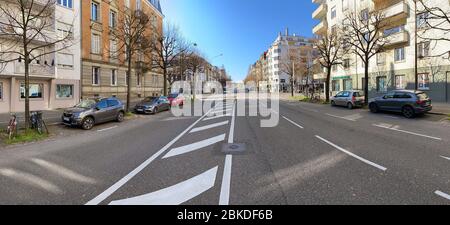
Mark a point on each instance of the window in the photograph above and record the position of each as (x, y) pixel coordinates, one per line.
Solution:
(112, 19)
(333, 12)
(402, 95)
(95, 11)
(346, 64)
(381, 84)
(348, 84)
(138, 5)
(399, 54)
(112, 103)
(103, 104)
(65, 3)
(127, 3)
(95, 75)
(1, 91)
(424, 81)
(423, 49)
(363, 84)
(400, 82)
(95, 48)
(65, 60)
(113, 49)
(113, 77)
(422, 20)
(35, 90)
(365, 14)
(64, 91)
(381, 58)
(336, 85)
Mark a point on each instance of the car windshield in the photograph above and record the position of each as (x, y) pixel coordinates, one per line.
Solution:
(422, 96)
(86, 104)
(173, 95)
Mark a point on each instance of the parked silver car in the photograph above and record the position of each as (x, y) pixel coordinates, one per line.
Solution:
(153, 105)
(93, 111)
(350, 99)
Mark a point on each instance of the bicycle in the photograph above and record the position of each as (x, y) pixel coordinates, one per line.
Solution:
(12, 126)
(37, 122)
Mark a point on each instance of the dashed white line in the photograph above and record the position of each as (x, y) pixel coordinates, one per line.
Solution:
(198, 129)
(447, 158)
(108, 192)
(352, 154)
(109, 128)
(340, 117)
(442, 194)
(407, 132)
(296, 124)
(194, 146)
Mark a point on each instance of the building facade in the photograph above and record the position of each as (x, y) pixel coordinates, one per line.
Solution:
(104, 72)
(54, 78)
(394, 67)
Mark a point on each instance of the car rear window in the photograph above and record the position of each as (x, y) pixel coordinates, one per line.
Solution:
(112, 103)
(422, 96)
(358, 94)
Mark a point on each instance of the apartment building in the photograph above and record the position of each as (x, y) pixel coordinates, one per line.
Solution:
(278, 54)
(104, 71)
(54, 78)
(394, 68)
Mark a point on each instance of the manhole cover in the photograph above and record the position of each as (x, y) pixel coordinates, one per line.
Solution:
(233, 148)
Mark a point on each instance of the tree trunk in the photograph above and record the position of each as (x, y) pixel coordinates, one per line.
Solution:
(165, 81)
(292, 85)
(366, 83)
(327, 85)
(27, 91)
(129, 84)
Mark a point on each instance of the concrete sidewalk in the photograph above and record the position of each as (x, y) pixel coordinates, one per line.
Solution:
(49, 116)
(441, 109)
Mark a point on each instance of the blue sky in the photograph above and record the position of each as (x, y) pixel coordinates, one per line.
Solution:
(239, 29)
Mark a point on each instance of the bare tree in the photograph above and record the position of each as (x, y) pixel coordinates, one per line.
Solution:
(294, 66)
(167, 47)
(27, 33)
(364, 33)
(195, 64)
(329, 48)
(131, 37)
(433, 18)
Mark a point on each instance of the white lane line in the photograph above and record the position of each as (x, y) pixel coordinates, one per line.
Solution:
(296, 124)
(108, 192)
(176, 194)
(110, 128)
(442, 194)
(447, 158)
(216, 117)
(226, 179)
(352, 154)
(209, 126)
(392, 117)
(340, 117)
(407, 132)
(221, 110)
(194, 146)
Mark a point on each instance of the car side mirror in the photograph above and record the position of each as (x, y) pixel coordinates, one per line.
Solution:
(97, 108)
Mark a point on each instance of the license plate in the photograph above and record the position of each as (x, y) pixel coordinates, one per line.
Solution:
(66, 119)
(140, 110)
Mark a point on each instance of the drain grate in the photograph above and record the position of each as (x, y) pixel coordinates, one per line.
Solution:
(231, 149)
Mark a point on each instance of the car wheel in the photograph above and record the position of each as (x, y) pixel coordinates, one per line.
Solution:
(155, 110)
(408, 112)
(333, 103)
(88, 123)
(120, 117)
(373, 108)
(349, 105)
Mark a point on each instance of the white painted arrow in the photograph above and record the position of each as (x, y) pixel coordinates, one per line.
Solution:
(176, 194)
(194, 146)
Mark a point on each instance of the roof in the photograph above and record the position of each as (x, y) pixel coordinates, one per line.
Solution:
(156, 4)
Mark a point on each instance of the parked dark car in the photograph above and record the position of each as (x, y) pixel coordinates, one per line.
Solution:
(350, 99)
(410, 103)
(94, 111)
(153, 105)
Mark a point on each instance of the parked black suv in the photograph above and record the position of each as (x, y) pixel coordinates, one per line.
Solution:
(93, 111)
(408, 102)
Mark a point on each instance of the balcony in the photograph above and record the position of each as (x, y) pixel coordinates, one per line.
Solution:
(320, 12)
(35, 69)
(393, 12)
(321, 28)
(396, 39)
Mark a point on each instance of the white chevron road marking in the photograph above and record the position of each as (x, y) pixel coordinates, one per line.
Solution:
(176, 194)
(195, 146)
(216, 117)
(198, 129)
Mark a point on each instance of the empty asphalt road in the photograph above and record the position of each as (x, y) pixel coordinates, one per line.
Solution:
(315, 155)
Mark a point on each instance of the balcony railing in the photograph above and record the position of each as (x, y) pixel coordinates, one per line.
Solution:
(320, 28)
(395, 11)
(320, 12)
(397, 39)
(35, 69)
